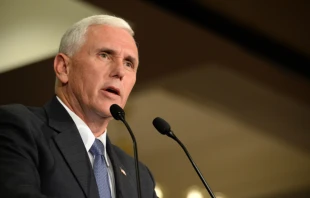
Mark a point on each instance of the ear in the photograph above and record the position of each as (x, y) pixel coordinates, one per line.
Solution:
(61, 67)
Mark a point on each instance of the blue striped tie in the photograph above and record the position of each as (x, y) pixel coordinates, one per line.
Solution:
(100, 169)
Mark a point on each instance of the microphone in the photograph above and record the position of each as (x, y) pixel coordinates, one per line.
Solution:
(119, 114)
(164, 128)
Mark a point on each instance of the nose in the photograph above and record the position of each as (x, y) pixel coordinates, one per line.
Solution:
(118, 69)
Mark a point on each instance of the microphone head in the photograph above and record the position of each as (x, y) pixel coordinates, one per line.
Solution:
(162, 126)
(117, 112)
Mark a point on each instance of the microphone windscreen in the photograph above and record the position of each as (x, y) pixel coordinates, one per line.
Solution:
(117, 112)
(161, 125)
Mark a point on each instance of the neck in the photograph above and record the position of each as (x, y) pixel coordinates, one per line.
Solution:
(94, 121)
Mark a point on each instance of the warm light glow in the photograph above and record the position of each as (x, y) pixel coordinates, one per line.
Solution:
(219, 195)
(159, 192)
(194, 194)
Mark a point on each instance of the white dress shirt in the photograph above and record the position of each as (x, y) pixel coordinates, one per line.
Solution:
(88, 140)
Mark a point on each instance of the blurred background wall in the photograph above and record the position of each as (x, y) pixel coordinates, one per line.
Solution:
(231, 77)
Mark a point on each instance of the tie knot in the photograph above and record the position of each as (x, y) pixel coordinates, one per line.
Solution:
(97, 148)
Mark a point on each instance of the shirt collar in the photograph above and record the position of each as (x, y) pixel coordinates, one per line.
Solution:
(85, 132)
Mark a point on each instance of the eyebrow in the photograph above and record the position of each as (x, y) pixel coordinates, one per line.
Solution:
(113, 52)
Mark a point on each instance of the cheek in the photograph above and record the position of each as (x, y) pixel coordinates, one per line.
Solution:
(88, 73)
(130, 84)
(84, 81)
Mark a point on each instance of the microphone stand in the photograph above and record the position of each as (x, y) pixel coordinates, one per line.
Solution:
(171, 135)
(122, 118)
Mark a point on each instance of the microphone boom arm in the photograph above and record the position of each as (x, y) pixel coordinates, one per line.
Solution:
(171, 135)
(135, 155)
(119, 114)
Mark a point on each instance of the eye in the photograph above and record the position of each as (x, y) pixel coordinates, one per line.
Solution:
(129, 64)
(104, 55)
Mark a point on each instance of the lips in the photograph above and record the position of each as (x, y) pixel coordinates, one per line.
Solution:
(112, 90)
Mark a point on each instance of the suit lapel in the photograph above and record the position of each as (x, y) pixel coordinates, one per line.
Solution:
(124, 183)
(71, 146)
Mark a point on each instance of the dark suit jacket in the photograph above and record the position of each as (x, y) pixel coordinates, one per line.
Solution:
(42, 155)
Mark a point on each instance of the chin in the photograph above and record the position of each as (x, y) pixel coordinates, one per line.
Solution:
(104, 113)
(105, 109)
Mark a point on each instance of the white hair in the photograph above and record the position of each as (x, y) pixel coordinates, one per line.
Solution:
(74, 37)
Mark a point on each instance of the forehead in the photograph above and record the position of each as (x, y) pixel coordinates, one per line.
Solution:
(113, 37)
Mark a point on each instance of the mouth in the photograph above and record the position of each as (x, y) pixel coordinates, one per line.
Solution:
(112, 90)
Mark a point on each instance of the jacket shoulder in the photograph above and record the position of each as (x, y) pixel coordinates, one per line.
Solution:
(16, 113)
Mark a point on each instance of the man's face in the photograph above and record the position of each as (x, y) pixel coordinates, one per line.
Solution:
(103, 71)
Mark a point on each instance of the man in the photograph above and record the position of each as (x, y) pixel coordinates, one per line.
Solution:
(62, 150)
